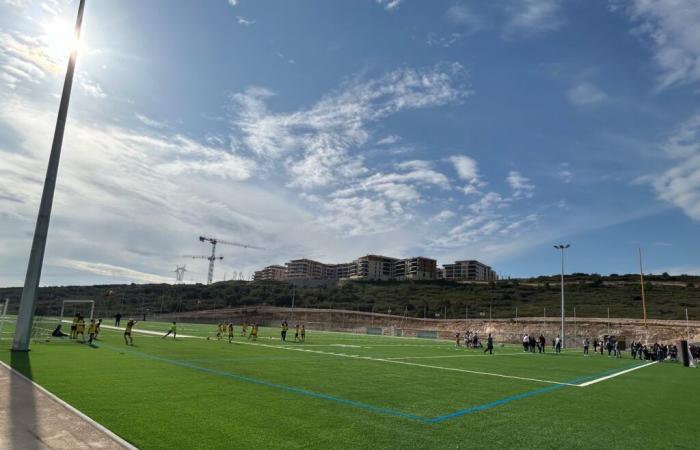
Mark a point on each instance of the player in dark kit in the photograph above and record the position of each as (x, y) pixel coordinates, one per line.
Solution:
(489, 345)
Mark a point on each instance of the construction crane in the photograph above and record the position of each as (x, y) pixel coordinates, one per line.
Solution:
(212, 258)
(211, 262)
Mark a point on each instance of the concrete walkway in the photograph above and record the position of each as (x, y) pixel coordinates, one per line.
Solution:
(31, 418)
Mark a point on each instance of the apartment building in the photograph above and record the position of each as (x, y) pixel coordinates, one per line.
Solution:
(271, 273)
(374, 267)
(471, 270)
(368, 267)
(306, 269)
(416, 268)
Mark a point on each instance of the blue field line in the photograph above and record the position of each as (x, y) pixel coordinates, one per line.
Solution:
(512, 398)
(294, 390)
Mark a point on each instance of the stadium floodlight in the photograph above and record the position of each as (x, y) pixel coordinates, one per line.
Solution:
(562, 247)
(27, 305)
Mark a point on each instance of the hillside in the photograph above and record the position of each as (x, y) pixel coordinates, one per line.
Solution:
(590, 295)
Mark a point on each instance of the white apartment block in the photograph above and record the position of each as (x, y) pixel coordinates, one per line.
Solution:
(470, 270)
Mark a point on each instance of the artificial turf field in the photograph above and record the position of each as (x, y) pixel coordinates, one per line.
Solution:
(358, 391)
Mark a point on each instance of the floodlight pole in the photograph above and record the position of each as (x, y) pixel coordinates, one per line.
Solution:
(27, 305)
(562, 247)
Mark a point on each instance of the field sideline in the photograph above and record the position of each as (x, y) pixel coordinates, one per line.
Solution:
(345, 390)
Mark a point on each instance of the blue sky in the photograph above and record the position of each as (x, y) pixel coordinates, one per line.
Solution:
(332, 129)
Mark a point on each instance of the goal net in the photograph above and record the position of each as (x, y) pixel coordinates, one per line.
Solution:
(73, 312)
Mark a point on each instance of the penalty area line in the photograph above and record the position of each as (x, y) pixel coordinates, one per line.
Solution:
(613, 375)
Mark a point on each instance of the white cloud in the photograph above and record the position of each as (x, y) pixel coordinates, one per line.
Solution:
(585, 93)
(389, 140)
(460, 14)
(443, 216)
(245, 21)
(680, 185)
(113, 272)
(564, 173)
(233, 2)
(673, 30)
(390, 5)
(521, 186)
(443, 40)
(531, 17)
(150, 122)
(466, 168)
(321, 142)
(90, 87)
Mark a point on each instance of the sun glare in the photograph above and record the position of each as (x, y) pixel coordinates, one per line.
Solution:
(60, 39)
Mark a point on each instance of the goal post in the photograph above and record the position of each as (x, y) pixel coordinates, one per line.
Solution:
(44, 326)
(79, 306)
(3, 316)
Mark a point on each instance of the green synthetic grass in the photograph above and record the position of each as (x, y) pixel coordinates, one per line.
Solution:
(345, 391)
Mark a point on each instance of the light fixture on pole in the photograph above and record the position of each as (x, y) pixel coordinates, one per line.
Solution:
(562, 247)
(27, 305)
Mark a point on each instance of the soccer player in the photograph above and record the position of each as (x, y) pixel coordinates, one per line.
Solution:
(543, 343)
(128, 340)
(92, 331)
(74, 326)
(230, 332)
(254, 332)
(80, 328)
(244, 329)
(489, 345)
(466, 339)
(117, 319)
(296, 332)
(457, 340)
(283, 332)
(585, 346)
(303, 333)
(97, 328)
(557, 344)
(219, 330)
(172, 330)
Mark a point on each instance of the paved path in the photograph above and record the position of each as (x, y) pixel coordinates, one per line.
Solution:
(33, 419)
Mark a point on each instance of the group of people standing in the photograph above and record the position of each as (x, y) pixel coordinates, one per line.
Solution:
(471, 340)
(77, 327)
(532, 343)
(299, 332)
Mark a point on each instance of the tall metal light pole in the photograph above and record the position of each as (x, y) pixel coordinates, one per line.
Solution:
(562, 247)
(27, 305)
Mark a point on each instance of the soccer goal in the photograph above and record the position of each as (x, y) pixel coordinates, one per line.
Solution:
(44, 327)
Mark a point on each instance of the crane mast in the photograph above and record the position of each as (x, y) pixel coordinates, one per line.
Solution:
(213, 257)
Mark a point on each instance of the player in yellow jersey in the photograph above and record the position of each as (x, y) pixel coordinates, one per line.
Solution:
(128, 340)
(303, 333)
(296, 333)
(74, 326)
(254, 332)
(92, 331)
(230, 332)
(80, 328)
(244, 329)
(172, 330)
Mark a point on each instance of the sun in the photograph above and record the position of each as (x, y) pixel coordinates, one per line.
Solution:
(60, 40)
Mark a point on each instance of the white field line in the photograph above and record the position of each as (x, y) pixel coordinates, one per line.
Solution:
(456, 356)
(616, 374)
(368, 358)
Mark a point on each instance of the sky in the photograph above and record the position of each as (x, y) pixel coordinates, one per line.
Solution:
(333, 129)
